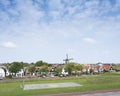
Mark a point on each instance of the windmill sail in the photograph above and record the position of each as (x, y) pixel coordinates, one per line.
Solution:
(67, 59)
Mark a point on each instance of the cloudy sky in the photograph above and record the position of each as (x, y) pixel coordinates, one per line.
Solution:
(86, 30)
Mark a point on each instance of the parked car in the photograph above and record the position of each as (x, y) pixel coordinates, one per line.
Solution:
(43, 75)
(60, 75)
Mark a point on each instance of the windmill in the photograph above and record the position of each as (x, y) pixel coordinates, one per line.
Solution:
(67, 59)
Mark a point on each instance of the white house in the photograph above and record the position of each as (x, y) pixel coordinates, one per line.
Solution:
(20, 73)
(63, 72)
(2, 73)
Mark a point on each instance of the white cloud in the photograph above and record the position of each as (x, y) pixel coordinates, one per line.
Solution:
(89, 40)
(9, 45)
(60, 25)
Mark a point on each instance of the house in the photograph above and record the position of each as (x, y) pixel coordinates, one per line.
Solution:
(2, 73)
(106, 67)
(86, 68)
(96, 68)
(20, 73)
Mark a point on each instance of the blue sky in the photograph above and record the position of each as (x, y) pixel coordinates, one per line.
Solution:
(86, 30)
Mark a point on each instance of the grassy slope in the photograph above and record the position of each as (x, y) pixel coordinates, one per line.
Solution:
(106, 81)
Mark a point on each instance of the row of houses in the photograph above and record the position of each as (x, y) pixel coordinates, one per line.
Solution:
(87, 68)
(97, 68)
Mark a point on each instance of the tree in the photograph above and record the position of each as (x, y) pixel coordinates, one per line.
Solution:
(58, 70)
(116, 67)
(40, 63)
(31, 69)
(91, 71)
(44, 68)
(78, 67)
(15, 67)
(24, 64)
(69, 67)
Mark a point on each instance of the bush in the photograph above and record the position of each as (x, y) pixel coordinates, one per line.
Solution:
(9, 76)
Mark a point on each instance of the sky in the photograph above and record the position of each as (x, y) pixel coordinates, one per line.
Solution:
(87, 30)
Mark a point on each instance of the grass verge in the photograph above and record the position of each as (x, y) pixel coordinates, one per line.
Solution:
(90, 83)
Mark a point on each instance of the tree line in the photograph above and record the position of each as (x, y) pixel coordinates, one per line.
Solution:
(40, 67)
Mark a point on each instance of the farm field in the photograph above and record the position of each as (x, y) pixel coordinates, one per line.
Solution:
(90, 83)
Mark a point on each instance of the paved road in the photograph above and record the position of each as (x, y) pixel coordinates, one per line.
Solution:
(102, 94)
(114, 92)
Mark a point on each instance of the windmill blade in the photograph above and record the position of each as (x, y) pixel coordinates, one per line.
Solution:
(70, 59)
(67, 59)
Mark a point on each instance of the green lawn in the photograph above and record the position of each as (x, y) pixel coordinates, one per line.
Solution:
(101, 82)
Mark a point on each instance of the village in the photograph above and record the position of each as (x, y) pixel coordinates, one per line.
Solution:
(43, 69)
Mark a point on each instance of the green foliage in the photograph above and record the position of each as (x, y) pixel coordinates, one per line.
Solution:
(116, 67)
(9, 76)
(73, 67)
(69, 67)
(78, 67)
(58, 70)
(44, 68)
(41, 63)
(24, 64)
(15, 67)
(31, 69)
(91, 71)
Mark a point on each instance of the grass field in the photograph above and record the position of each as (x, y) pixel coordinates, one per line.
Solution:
(100, 82)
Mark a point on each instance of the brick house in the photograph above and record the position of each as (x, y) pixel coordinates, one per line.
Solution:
(106, 67)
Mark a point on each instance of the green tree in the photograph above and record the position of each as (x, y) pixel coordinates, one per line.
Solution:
(44, 68)
(40, 63)
(15, 67)
(69, 67)
(78, 67)
(91, 71)
(31, 69)
(24, 64)
(116, 67)
(58, 70)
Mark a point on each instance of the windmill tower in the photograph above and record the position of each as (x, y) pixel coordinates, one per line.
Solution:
(67, 59)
